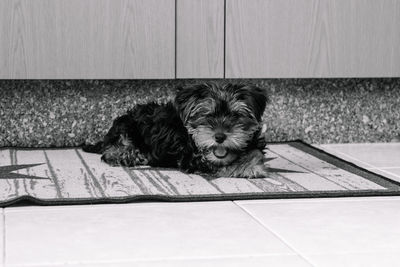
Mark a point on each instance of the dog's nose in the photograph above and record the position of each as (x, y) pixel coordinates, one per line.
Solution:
(220, 137)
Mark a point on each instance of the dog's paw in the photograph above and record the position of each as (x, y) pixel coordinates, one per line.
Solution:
(112, 161)
(261, 142)
(121, 156)
(255, 171)
(250, 165)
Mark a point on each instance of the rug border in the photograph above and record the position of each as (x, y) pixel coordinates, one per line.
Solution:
(199, 198)
(344, 164)
(299, 144)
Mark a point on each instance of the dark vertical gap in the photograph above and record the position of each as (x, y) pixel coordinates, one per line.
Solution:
(176, 39)
(224, 38)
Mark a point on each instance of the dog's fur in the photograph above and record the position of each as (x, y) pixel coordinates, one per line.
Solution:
(208, 129)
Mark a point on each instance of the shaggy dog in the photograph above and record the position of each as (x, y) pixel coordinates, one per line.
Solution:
(208, 128)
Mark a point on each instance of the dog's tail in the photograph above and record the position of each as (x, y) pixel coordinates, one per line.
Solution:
(96, 148)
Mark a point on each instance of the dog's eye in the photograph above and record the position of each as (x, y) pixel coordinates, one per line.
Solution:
(210, 120)
(235, 115)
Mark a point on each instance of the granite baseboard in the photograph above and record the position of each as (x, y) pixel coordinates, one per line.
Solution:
(59, 113)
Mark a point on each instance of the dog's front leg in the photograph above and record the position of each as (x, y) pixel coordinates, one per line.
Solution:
(248, 165)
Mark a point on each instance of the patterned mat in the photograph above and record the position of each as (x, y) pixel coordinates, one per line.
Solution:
(71, 176)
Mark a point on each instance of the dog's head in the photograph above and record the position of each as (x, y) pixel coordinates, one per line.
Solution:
(222, 120)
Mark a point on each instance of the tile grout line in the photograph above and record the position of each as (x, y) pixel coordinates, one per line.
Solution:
(389, 168)
(144, 260)
(368, 164)
(361, 144)
(275, 234)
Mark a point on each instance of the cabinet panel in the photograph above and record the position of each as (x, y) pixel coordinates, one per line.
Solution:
(200, 39)
(84, 39)
(312, 38)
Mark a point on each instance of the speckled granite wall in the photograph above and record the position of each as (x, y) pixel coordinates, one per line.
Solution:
(43, 113)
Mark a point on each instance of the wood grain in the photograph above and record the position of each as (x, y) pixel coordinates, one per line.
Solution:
(76, 175)
(200, 39)
(312, 38)
(75, 39)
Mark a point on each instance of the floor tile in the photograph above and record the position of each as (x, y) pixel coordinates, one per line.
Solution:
(2, 237)
(356, 260)
(255, 261)
(395, 171)
(333, 226)
(376, 154)
(134, 231)
(391, 173)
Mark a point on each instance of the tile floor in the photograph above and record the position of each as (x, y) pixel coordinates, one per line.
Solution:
(304, 232)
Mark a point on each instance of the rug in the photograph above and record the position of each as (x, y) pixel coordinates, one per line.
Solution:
(71, 176)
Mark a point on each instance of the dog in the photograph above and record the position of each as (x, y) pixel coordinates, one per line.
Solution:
(207, 129)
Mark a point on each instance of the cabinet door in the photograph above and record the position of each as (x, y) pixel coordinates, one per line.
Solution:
(85, 39)
(312, 38)
(200, 39)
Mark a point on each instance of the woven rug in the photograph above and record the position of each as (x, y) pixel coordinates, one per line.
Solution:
(71, 176)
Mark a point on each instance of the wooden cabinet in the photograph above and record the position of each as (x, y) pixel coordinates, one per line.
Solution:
(312, 38)
(200, 39)
(164, 39)
(85, 39)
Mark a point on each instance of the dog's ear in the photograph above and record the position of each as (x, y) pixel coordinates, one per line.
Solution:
(260, 99)
(184, 101)
(187, 97)
(255, 97)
